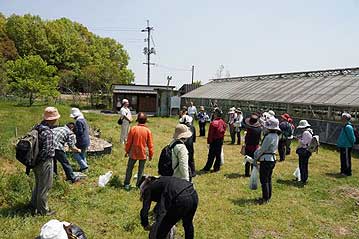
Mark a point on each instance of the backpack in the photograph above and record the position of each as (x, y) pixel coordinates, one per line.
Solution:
(165, 161)
(287, 131)
(27, 149)
(314, 144)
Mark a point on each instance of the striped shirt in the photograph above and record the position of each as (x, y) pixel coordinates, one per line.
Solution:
(63, 135)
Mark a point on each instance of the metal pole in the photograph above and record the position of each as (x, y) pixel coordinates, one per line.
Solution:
(149, 52)
(192, 74)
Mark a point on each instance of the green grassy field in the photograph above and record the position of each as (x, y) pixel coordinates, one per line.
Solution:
(325, 208)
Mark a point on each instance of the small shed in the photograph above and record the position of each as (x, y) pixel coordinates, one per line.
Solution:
(187, 88)
(153, 99)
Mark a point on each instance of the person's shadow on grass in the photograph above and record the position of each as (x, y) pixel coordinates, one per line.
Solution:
(245, 201)
(291, 182)
(233, 175)
(19, 210)
(335, 175)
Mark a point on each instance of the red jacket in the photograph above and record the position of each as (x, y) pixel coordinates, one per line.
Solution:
(217, 128)
(138, 138)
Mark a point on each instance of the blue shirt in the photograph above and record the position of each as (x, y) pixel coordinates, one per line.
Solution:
(82, 133)
(346, 138)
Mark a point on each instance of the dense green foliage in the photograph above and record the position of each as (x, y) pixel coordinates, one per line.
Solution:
(325, 208)
(82, 61)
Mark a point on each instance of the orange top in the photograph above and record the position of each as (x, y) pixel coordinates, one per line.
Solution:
(138, 138)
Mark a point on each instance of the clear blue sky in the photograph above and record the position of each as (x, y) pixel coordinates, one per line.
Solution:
(247, 37)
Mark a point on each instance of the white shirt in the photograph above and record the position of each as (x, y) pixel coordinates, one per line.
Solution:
(192, 110)
(126, 112)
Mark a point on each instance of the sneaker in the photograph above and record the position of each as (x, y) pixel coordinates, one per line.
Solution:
(75, 180)
(127, 187)
(84, 170)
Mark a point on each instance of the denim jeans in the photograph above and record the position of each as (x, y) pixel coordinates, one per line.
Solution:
(61, 157)
(81, 158)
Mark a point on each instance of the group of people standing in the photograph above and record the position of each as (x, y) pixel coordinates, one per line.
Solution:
(52, 140)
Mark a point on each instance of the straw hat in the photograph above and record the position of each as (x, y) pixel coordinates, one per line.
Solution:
(201, 108)
(75, 112)
(272, 124)
(53, 229)
(51, 113)
(182, 132)
(303, 124)
(252, 121)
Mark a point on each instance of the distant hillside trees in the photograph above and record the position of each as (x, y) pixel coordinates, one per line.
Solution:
(71, 56)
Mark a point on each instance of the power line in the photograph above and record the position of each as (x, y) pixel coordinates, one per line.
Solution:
(172, 68)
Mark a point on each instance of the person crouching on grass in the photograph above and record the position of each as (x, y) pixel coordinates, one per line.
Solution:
(265, 155)
(176, 200)
(138, 139)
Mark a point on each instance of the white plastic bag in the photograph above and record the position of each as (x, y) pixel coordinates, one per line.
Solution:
(104, 179)
(297, 173)
(53, 229)
(253, 180)
(248, 159)
(222, 156)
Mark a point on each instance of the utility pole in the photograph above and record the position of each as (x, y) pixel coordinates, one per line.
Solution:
(148, 50)
(192, 74)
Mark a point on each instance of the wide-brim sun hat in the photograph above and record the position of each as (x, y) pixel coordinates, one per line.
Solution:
(51, 113)
(186, 119)
(272, 124)
(253, 121)
(201, 107)
(124, 101)
(303, 124)
(182, 132)
(53, 229)
(285, 116)
(231, 110)
(346, 116)
(238, 110)
(271, 112)
(75, 112)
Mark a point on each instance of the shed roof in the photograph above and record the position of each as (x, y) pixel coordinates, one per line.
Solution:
(119, 87)
(339, 87)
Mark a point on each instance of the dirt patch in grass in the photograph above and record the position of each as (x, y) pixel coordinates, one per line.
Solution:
(262, 233)
(7, 167)
(349, 192)
(341, 231)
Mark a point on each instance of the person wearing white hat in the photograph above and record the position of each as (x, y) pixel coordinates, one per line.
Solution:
(44, 169)
(265, 154)
(303, 153)
(345, 144)
(125, 115)
(82, 138)
(232, 115)
(180, 153)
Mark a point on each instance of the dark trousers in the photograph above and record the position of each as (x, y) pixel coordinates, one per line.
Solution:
(184, 208)
(238, 137)
(202, 128)
(191, 164)
(304, 156)
(281, 149)
(215, 149)
(265, 176)
(248, 166)
(287, 149)
(61, 157)
(346, 161)
(232, 131)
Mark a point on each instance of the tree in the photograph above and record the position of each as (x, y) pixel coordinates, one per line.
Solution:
(32, 77)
